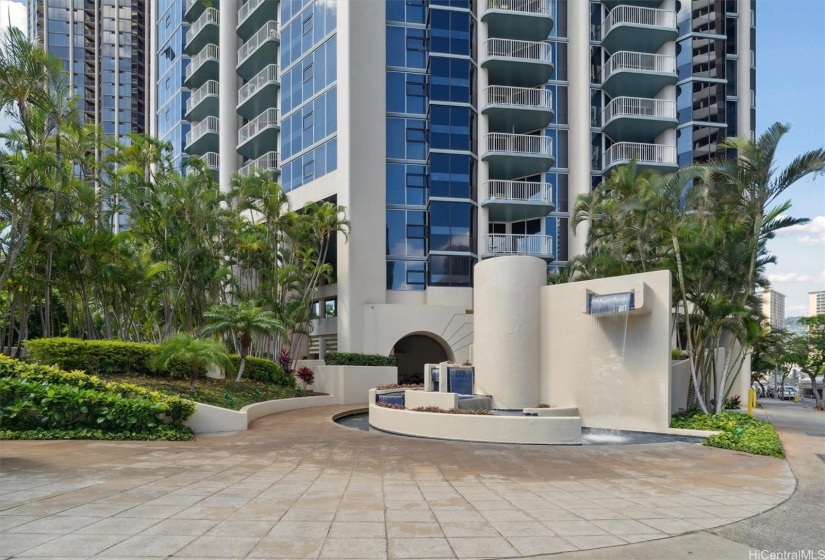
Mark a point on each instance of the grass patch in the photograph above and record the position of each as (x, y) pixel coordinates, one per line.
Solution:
(740, 432)
(217, 392)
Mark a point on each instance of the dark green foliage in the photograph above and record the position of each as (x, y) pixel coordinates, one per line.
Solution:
(110, 357)
(357, 359)
(219, 392)
(44, 397)
(166, 432)
(739, 432)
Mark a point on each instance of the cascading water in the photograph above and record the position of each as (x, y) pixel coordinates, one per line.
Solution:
(608, 327)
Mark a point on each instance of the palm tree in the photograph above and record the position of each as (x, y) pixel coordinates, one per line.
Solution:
(752, 183)
(196, 354)
(246, 320)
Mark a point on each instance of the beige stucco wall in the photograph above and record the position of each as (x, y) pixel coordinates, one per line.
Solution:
(386, 324)
(351, 384)
(506, 336)
(616, 380)
(416, 399)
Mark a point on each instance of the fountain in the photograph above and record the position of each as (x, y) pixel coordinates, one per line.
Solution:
(568, 364)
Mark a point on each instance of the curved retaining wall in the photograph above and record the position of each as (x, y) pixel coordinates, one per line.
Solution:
(208, 418)
(478, 428)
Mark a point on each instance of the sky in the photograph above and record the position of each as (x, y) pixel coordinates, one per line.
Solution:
(790, 88)
(790, 75)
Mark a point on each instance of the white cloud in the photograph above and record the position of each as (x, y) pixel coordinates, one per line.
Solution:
(13, 14)
(813, 233)
(795, 278)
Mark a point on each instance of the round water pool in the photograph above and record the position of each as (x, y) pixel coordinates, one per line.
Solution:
(590, 436)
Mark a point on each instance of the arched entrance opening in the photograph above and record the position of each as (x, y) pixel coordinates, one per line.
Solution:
(415, 350)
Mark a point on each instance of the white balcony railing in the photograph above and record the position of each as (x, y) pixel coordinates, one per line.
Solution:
(538, 98)
(526, 50)
(519, 191)
(518, 244)
(519, 144)
(210, 88)
(264, 120)
(267, 162)
(627, 60)
(647, 154)
(538, 7)
(211, 159)
(209, 53)
(638, 16)
(198, 131)
(247, 9)
(209, 17)
(639, 107)
(266, 76)
(264, 34)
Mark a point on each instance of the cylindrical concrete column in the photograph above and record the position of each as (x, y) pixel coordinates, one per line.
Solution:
(228, 96)
(743, 69)
(578, 101)
(506, 331)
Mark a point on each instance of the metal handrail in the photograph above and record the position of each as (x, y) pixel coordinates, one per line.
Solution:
(539, 51)
(264, 34)
(627, 60)
(643, 153)
(211, 159)
(210, 16)
(210, 52)
(638, 15)
(246, 9)
(259, 123)
(639, 107)
(268, 75)
(207, 125)
(520, 96)
(518, 143)
(523, 191)
(518, 244)
(267, 162)
(211, 87)
(538, 7)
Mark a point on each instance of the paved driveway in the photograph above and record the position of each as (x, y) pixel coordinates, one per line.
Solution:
(299, 486)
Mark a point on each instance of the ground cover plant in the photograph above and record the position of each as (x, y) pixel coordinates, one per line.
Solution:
(44, 402)
(216, 392)
(739, 432)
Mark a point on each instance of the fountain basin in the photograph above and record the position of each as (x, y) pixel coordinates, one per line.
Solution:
(553, 411)
(490, 428)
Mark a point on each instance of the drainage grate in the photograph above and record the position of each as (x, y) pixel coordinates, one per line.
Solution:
(821, 457)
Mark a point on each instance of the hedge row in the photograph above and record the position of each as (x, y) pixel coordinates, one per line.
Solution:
(113, 357)
(35, 396)
(357, 359)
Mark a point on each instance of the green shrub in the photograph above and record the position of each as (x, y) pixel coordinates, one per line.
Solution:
(739, 432)
(113, 357)
(166, 432)
(357, 359)
(37, 396)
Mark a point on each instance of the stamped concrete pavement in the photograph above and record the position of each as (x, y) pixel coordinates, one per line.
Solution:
(298, 485)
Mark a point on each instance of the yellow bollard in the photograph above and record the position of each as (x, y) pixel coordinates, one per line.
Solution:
(751, 400)
(796, 398)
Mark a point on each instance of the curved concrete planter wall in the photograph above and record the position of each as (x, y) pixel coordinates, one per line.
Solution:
(345, 385)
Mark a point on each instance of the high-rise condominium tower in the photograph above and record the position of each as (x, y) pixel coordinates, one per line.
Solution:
(103, 45)
(455, 130)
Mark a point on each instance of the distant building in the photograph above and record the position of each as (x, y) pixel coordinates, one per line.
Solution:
(816, 303)
(773, 308)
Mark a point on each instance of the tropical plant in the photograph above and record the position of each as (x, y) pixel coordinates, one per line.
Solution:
(306, 375)
(242, 322)
(195, 354)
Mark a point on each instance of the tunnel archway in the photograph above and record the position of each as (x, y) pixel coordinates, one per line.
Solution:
(416, 349)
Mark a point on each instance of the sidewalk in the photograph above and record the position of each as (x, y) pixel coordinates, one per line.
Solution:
(794, 525)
